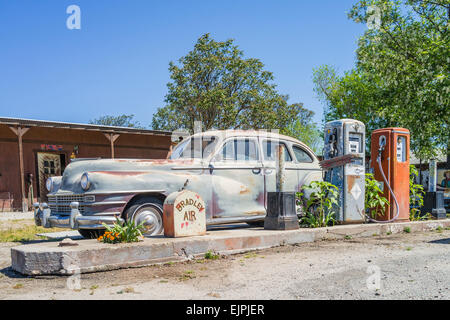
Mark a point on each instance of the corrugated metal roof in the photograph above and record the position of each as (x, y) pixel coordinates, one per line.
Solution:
(80, 126)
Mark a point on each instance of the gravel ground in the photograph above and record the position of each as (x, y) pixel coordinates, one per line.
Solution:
(5, 216)
(412, 266)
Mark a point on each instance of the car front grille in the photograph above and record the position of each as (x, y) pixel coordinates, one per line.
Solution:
(61, 203)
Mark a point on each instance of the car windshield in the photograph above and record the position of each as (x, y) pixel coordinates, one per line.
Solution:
(194, 148)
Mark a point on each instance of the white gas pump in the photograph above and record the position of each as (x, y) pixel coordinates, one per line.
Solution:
(344, 165)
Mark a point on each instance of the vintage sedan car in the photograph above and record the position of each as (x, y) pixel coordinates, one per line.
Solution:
(232, 170)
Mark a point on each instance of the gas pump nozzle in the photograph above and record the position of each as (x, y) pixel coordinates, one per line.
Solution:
(382, 144)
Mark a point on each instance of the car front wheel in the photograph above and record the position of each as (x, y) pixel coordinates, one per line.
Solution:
(149, 212)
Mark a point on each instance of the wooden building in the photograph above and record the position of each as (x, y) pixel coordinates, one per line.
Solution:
(33, 150)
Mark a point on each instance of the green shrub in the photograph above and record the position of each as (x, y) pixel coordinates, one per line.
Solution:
(375, 203)
(320, 208)
(416, 193)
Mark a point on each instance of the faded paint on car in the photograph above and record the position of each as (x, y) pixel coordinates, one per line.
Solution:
(231, 189)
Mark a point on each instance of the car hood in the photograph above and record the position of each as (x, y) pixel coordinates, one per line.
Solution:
(124, 174)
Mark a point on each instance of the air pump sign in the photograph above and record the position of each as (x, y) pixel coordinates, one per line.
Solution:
(184, 214)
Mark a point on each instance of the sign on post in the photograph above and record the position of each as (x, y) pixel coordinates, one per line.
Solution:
(184, 215)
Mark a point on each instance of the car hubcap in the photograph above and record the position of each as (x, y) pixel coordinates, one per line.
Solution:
(151, 219)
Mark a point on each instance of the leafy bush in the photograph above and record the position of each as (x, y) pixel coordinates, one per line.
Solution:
(126, 232)
(320, 208)
(375, 203)
(416, 193)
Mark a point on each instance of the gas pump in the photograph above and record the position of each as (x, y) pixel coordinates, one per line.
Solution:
(344, 157)
(390, 164)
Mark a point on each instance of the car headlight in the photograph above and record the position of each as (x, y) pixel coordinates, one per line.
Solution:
(85, 183)
(49, 184)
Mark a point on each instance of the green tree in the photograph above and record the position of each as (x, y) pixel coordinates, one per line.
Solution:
(118, 121)
(354, 96)
(216, 85)
(401, 77)
(308, 133)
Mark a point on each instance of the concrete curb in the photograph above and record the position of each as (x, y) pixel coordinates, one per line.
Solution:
(92, 256)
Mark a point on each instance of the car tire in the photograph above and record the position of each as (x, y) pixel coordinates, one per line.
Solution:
(91, 234)
(150, 211)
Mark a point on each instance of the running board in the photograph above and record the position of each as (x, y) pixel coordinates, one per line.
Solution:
(234, 220)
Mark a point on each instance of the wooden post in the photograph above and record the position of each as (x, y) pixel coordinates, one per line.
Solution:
(432, 173)
(280, 168)
(112, 138)
(19, 131)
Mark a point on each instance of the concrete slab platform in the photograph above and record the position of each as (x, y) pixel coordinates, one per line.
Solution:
(92, 256)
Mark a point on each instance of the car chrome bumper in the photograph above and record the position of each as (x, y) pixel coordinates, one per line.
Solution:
(44, 217)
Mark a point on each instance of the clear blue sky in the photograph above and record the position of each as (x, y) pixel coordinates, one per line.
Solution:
(118, 62)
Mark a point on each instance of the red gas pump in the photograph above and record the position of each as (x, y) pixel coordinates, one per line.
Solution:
(390, 163)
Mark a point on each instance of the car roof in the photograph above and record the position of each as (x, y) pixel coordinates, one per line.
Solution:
(253, 133)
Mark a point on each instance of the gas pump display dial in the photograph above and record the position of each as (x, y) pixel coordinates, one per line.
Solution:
(401, 149)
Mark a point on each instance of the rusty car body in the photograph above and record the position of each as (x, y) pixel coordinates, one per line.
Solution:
(232, 170)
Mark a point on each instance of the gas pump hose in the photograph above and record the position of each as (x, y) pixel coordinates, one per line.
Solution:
(390, 190)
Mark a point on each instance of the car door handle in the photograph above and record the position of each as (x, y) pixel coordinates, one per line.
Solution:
(256, 170)
(268, 171)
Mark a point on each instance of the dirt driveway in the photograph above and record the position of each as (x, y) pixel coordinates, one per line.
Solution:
(408, 266)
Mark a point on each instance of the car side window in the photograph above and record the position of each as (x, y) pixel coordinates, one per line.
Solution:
(270, 150)
(301, 155)
(239, 150)
(194, 148)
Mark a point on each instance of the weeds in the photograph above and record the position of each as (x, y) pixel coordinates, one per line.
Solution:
(126, 290)
(374, 202)
(250, 255)
(210, 255)
(416, 193)
(187, 275)
(321, 206)
(128, 232)
(415, 215)
(407, 230)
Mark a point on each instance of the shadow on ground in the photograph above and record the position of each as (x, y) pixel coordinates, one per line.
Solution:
(441, 241)
(10, 273)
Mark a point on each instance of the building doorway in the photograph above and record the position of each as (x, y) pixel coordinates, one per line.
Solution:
(48, 165)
